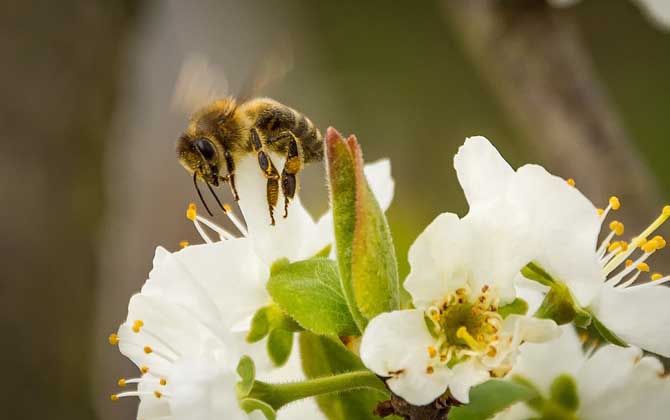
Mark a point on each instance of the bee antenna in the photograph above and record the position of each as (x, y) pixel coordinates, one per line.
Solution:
(202, 200)
(216, 197)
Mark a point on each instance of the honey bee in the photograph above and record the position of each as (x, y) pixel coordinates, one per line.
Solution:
(226, 130)
(223, 132)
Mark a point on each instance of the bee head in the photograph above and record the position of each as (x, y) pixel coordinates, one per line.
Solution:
(199, 156)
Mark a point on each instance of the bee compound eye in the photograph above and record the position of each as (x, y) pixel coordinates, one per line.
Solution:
(205, 147)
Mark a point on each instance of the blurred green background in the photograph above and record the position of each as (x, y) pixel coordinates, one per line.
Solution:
(91, 185)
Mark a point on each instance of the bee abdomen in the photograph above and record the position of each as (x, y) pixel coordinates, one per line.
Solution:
(310, 137)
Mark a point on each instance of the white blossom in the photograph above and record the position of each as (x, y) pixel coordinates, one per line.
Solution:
(462, 272)
(186, 328)
(612, 383)
(562, 228)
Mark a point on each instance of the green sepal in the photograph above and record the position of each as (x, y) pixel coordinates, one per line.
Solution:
(491, 397)
(563, 391)
(533, 271)
(251, 404)
(279, 345)
(365, 251)
(599, 329)
(246, 369)
(516, 307)
(559, 304)
(310, 293)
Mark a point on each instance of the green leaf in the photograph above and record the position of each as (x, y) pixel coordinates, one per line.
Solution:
(267, 319)
(516, 307)
(251, 404)
(365, 251)
(278, 265)
(323, 356)
(247, 371)
(564, 391)
(309, 291)
(598, 328)
(325, 252)
(279, 345)
(491, 397)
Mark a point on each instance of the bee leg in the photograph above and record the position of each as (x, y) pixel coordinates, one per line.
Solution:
(230, 166)
(292, 166)
(269, 171)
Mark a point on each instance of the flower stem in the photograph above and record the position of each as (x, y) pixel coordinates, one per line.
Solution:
(278, 395)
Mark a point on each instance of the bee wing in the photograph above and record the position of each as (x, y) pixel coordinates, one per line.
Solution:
(273, 66)
(199, 82)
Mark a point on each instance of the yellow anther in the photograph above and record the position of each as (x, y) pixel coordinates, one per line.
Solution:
(227, 208)
(191, 212)
(656, 276)
(121, 382)
(649, 247)
(183, 244)
(659, 241)
(643, 267)
(666, 210)
(430, 370)
(615, 203)
(617, 227)
(148, 350)
(629, 262)
(158, 394)
(600, 211)
(435, 316)
(624, 246)
(163, 381)
(571, 182)
(617, 245)
(492, 352)
(114, 397)
(137, 326)
(431, 351)
(113, 339)
(144, 369)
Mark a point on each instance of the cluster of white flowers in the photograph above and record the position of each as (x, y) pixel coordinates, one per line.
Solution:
(465, 271)
(487, 292)
(186, 329)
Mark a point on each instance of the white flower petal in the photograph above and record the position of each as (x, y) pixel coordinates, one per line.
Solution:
(291, 236)
(616, 384)
(482, 171)
(466, 375)
(562, 226)
(232, 275)
(540, 363)
(202, 389)
(395, 344)
(657, 10)
(640, 315)
(530, 329)
(439, 261)
(378, 175)
(151, 407)
(171, 281)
